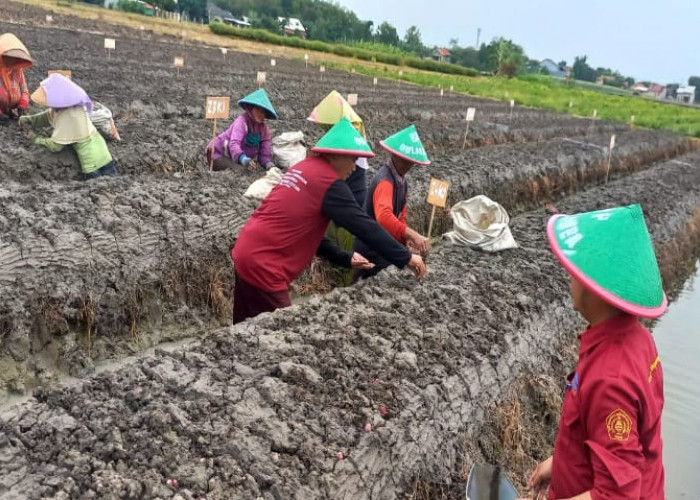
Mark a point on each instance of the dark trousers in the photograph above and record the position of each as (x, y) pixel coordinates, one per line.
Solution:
(110, 170)
(249, 300)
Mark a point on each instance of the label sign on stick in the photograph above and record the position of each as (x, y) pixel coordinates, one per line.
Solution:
(262, 77)
(612, 142)
(437, 197)
(352, 99)
(375, 81)
(470, 114)
(595, 113)
(49, 18)
(217, 107)
(512, 103)
(273, 62)
(110, 43)
(65, 72)
(224, 50)
(179, 62)
(306, 57)
(442, 92)
(322, 69)
(452, 88)
(437, 192)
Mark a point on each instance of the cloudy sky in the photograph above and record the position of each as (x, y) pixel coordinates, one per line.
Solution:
(648, 40)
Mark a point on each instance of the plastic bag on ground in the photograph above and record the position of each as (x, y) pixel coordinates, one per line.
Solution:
(482, 223)
(104, 123)
(260, 188)
(288, 149)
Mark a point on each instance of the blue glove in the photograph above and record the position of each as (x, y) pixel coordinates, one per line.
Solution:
(244, 160)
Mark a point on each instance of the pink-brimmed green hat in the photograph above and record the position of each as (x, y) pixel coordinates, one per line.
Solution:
(610, 253)
(343, 139)
(406, 144)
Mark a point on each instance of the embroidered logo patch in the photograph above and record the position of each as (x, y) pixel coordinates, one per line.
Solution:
(653, 367)
(619, 425)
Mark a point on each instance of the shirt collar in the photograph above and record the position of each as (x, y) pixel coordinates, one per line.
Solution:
(594, 335)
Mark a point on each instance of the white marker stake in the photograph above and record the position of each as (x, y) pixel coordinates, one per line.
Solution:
(322, 70)
(452, 88)
(632, 121)
(610, 150)
(512, 105)
(215, 108)
(273, 62)
(470, 118)
(400, 76)
(110, 44)
(306, 60)
(224, 51)
(49, 18)
(179, 62)
(352, 99)
(442, 93)
(437, 197)
(375, 81)
(262, 78)
(571, 104)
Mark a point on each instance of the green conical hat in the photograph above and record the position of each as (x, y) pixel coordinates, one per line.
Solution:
(406, 144)
(260, 99)
(610, 253)
(343, 139)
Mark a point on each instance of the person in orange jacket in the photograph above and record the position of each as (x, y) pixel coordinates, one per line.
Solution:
(387, 198)
(609, 440)
(14, 95)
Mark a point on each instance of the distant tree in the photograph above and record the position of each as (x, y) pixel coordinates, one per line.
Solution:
(694, 81)
(505, 58)
(561, 65)
(672, 89)
(629, 82)
(534, 66)
(195, 9)
(582, 71)
(412, 41)
(387, 34)
(131, 6)
(466, 56)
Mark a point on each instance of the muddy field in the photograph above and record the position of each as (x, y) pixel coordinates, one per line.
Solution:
(466, 363)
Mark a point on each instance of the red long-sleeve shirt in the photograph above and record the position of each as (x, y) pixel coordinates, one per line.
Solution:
(13, 90)
(609, 440)
(383, 201)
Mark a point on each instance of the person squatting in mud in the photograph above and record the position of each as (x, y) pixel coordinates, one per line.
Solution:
(14, 95)
(282, 236)
(609, 439)
(247, 141)
(387, 200)
(327, 113)
(69, 116)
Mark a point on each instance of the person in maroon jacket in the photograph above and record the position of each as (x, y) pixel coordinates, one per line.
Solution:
(287, 230)
(609, 441)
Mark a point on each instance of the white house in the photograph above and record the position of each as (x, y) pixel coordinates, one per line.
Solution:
(686, 94)
(293, 26)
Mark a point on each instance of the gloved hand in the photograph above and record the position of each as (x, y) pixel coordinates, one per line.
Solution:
(244, 160)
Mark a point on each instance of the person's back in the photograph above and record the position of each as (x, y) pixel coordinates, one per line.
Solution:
(284, 233)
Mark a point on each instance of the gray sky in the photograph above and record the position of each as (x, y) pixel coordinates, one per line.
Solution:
(648, 40)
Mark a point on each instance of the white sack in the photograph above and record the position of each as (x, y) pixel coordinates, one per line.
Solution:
(480, 222)
(288, 149)
(259, 189)
(104, 123)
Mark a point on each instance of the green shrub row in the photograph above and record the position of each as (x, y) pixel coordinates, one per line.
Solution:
(265, 36)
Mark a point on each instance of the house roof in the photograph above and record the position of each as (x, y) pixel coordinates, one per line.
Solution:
(688, 89)
(293, 24)
(442, 51)
(214, 10)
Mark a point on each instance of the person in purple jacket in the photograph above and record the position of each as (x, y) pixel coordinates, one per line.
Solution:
(247, 141)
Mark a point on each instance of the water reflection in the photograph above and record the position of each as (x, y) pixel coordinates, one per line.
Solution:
(677, 339)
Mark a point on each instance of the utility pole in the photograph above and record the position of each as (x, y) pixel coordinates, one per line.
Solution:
(478, 37)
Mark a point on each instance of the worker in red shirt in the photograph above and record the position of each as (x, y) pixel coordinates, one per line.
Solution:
(387, 198)
(609, 440)
(286, 231)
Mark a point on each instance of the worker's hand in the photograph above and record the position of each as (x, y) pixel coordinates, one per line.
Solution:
(419, 243)
(417, 265)
(15, 113)
(269, 165)
(245, 161)
(253, 166)
(539, 479)
(359, 262)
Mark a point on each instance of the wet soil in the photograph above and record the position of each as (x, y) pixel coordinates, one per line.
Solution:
(466, 363)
